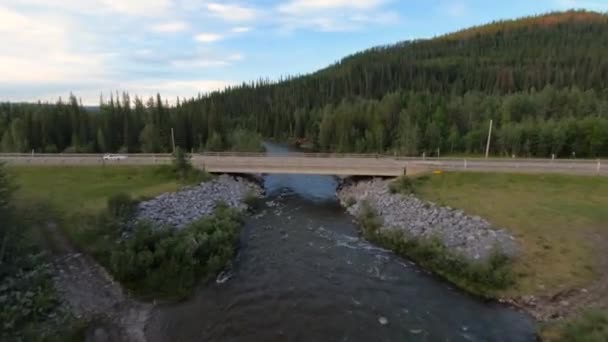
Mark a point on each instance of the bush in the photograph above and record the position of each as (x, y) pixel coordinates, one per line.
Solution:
(251, 199)
(181, 162)
(368, 219)
(402, 185)
(121, 206)
(483, 279)
(592, 326)
(168, 263)
(27, 296)
(181, 169)
(242, 140)
(350, 201)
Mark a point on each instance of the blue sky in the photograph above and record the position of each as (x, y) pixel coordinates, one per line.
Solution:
(183, 47)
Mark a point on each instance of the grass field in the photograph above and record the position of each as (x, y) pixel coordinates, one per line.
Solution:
(73, 190)
(560, 221)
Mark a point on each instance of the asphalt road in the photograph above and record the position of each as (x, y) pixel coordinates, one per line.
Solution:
(370, 165)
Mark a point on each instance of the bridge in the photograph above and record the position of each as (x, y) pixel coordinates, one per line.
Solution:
(324, 163)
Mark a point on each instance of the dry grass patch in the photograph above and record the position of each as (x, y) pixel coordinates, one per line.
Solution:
(554, 217)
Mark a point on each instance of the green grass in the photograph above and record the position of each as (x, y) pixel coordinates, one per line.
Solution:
(560, 221)
(74, 196)
(73, 190)
(92, 204)
(591, 326)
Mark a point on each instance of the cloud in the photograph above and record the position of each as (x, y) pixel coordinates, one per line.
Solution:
(199, 63)
(170, 27)
(138, 7)
(235, 57)
(454, 8)
(170, 90)
(206, 61)
(334, 15)
(241, 29)
(90, 93)
(300, 6)
(50, 48)
(232, 12)
(144, 8)
(597, 5)
(208, 37)
(36, 49)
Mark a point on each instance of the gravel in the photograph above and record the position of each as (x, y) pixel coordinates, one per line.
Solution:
(471, 236)
(179, 209)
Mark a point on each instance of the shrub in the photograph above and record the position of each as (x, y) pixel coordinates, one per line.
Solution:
(181, 169)
(242, 140)
(168, 263)
(402, 185)
(181, 162)
(121, 206)
(196, 176)
(251, 199)
(592, 326)
(350, 201)
(368, 219)
(481, 278)
(27, 296)
(8, 231)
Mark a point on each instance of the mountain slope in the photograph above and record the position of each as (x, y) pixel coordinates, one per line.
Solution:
(503, 63)
(543, 80)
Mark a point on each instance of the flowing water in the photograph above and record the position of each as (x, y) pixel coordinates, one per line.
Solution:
(303, 274)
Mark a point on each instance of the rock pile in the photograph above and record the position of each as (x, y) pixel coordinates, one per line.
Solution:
(471, 236)
(181, 208)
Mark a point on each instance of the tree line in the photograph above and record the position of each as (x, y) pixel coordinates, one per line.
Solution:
(542, 80)
(122, 124)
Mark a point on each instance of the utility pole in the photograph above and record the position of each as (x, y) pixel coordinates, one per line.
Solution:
(173, 139)
(489, 138)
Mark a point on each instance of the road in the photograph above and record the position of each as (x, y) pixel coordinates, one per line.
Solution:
(326, 164)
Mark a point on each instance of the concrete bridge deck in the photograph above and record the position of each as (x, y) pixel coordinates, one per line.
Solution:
(323, 164)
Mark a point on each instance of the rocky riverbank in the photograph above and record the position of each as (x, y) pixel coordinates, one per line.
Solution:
(181, 208)
(470, 236)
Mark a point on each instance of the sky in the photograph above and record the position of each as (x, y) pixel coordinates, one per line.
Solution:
(180, 48)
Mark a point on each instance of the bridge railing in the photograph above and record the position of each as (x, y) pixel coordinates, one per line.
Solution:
(385, 156)
(301, 155)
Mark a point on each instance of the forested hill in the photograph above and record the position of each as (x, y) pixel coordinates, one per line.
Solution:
(543, 80)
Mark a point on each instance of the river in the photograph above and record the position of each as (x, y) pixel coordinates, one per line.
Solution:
(303, 274)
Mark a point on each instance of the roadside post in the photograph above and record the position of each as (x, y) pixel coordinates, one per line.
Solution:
(489, 139)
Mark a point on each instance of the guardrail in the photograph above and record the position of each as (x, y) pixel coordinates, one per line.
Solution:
(586, 166)
(306, 155)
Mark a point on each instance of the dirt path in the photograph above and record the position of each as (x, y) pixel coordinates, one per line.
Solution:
(93, 295)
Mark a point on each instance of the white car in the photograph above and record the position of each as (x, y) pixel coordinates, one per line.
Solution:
(114, 157)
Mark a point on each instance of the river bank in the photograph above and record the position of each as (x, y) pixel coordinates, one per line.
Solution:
(114, 313)
(84, 242)
(178, 209)
(560, 267)
(466, 250)
(302, 273)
